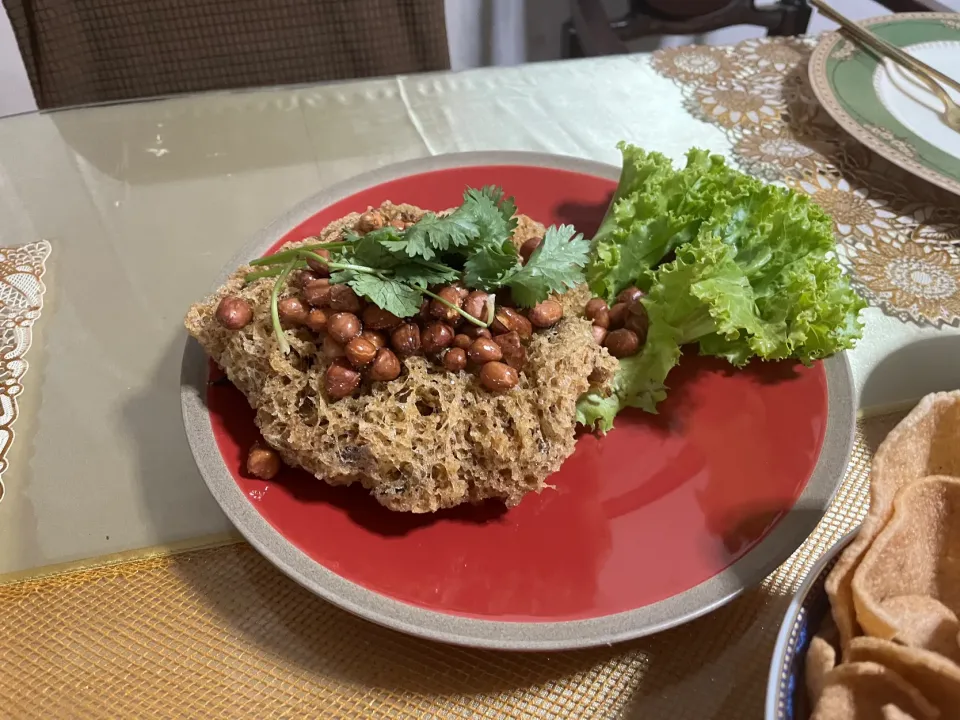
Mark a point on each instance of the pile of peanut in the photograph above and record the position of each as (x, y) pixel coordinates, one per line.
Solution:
(360, 338)
(621, 329)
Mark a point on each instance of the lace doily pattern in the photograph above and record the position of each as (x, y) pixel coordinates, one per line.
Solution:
(897, 236)
(21, 300)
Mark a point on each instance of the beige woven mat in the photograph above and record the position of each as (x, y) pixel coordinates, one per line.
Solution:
(218, 633)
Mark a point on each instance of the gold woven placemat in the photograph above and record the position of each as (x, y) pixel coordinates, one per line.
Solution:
(219, 633)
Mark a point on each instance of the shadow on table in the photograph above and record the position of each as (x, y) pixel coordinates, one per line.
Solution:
(908, 373)
(174, 498)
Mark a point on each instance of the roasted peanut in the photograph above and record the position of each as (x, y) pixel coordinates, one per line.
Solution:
(546, 314)
(594, 307)
(377, 318)
(440, 311)
(462, 341)
(599, 334)
(509, 320)
(497, 376)
(291, 311)
(622, 343)
(526, 250)
(341, 379)
(602, 318)
(406, 339)
(302, 278)
(637, 320)
(630, 294)
(317, 294)
(424, 313)
(514, 354)
(370, 221)
(343, 327)
(484, 350)
(263, 462)
(618, 315)
(319, 268)
(455, 359)
(398, 224)
(331, 349)
(234, 312)
(317, 320)
(385, 366)
(378, 339)
(344, 299)
(476, 305)
(436, 337)
(474, 331)
(360, 352)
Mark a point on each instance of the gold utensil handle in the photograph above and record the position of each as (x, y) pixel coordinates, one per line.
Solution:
(884, 48)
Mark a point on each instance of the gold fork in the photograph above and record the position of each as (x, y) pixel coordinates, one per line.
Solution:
(926, 74)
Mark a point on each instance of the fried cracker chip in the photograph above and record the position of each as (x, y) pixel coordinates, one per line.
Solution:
(936, 677)
(892, 712)
(907, 586)
(924, 622)
(821, 658)
(924, 443)
(865, 691)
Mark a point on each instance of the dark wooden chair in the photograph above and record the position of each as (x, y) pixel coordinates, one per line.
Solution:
(591, 31)
(90, 51)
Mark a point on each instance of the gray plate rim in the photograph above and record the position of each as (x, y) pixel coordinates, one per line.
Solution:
(746, 572)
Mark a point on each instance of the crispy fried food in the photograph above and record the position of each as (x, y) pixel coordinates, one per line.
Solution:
(924, 443)
(866, 691)
(428, 440)
(936, 677)
(907, 586)
(821, 659)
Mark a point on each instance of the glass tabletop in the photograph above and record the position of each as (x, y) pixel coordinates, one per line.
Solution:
(144, 202)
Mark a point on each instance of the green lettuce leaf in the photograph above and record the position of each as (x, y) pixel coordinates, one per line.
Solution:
(752, 274)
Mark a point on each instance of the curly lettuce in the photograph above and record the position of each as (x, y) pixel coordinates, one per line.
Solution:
(742, 269)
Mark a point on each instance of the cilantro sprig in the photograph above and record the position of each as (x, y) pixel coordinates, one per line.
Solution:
(395, 269)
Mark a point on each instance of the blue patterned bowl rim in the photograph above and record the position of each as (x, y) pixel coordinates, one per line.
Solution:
(809, 604)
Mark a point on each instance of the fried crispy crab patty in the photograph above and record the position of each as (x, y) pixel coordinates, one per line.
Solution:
(428, 440)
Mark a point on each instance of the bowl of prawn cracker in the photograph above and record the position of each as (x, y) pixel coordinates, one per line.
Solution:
(874, 630)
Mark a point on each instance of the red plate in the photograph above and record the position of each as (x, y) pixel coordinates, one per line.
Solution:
(652, 524)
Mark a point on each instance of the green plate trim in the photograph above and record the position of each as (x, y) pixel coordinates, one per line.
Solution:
(842, 75)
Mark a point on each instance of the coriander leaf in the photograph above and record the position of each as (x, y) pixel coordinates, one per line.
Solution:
(554, 267)
(491, 213)
(491, 267)
(371, 251)
(342, 277)
(401, 299)
(433, 234)
(506, 205)
(422, 274)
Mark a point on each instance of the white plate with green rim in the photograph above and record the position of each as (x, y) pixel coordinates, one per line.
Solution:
(885, 107)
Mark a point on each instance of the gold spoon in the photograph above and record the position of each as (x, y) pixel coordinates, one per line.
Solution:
(926, 74)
